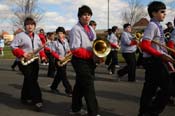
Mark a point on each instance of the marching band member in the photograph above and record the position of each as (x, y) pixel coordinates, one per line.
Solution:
(42, 36)
(155, 59)
(171, 44)
(168, 31)
(22, 45)
(128, 49)
(81, 38)
(51, 59)
(2, 44)
(108, 58)
(43, 40)
(113, 40)
(93, 24)
(61, 49)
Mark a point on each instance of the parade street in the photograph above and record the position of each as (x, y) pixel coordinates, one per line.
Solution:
(115, 98)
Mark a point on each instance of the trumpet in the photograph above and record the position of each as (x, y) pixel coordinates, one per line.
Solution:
(25, 61)
(137, 37)
(66, 59)
(167, 35)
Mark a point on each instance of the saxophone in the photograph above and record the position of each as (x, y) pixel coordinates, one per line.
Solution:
(25, 61)
(66, 59)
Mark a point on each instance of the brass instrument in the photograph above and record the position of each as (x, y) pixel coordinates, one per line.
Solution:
(25, 61)
(162, 45)
(170, 65)
(167, 35)
(168, 56)
(137, 37)
(101, 48)
(66, 59)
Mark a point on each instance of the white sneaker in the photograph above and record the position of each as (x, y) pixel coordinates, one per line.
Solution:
(98, 115)
(81, 112)
(117, 66)
(110, 72)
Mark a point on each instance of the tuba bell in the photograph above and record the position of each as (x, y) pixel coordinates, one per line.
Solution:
(101, 48)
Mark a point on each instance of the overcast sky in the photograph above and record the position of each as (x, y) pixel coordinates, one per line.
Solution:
(64, 13)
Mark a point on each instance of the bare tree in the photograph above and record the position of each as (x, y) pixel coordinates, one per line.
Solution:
(25, 8)
(134, 12)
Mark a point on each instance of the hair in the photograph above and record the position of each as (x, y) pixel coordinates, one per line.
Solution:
(84, 9)
(60, 29)
(29, 20)
(126, 25)
(49, 33)
(92, 22)
(155, 6)
(41, 30)
(114, 28)
(109, 31)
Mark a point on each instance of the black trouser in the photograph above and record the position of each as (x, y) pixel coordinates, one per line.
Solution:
(31, 89)
(156, 76)
(108, 59)
(61, 76)
(140, 59)
(51, 67)
(114, 61)
(130, 68)
(84, 86)
(15, 63)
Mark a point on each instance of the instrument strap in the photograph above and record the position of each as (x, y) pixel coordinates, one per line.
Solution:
(32, 39)
(62, 45)
(88, 31)
(162, 40)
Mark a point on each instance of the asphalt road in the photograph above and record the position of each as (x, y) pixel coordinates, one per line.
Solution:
(114, 98)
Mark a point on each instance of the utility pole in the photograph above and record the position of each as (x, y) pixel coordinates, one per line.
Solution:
(108, 15)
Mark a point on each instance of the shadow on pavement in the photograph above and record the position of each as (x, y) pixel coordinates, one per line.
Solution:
(117, 96)
(57, 108)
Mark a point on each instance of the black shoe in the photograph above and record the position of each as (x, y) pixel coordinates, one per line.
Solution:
(148, 114)
(81, 112)
(69, 94)
(13, 69)
(171, 102)
(55, 91)
(50, 75)
(119, 74)
(39, 107)
(27, 102)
